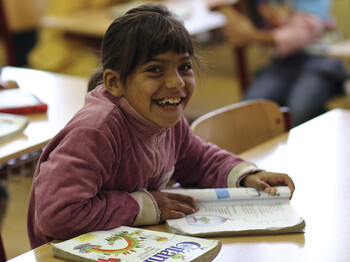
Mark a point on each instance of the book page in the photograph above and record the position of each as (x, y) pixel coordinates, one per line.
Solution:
(11, 125)
(211, 194)
(236, 216)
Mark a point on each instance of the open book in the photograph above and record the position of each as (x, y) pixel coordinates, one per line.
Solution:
(135, 244)
(11, 126)
(237, 211)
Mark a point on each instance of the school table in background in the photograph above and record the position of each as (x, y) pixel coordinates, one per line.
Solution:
(339, 50)
(316, 155)
(63, 94)
(94, 22)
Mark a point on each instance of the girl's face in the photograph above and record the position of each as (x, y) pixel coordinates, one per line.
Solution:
(161, 88)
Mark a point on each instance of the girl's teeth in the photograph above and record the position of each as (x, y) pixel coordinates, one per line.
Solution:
(170, 101)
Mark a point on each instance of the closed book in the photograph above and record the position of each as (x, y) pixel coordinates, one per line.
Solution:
(131, 244)
(19, 102)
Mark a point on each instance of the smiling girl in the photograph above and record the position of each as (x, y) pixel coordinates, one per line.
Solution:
(107, 166)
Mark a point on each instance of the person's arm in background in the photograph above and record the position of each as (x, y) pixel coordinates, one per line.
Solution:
(301, 30)
(240, 31)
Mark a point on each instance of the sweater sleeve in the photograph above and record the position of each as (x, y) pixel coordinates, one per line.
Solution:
(71, 187)
(149, 213)
(202, 164)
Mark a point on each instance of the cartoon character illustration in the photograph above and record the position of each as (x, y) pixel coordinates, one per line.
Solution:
(109, 260)
(205, 220)
(129, 246)
(127, 243)
(178, 256)
(143, 235)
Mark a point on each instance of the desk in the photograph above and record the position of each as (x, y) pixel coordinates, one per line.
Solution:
(339, 50)
(64, 96)
(317, 155)
(94, 23)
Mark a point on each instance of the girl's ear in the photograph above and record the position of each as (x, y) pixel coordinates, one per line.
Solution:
(111, 80)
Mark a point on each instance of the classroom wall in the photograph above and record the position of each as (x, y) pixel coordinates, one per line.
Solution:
(341, 12)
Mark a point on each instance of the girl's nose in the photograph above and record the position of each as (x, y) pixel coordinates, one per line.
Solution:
(175, 80)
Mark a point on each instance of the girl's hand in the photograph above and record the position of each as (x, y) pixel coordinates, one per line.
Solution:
(174, 205)
(264, 180)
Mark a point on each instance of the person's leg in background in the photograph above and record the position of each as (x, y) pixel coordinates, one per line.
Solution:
(319, 80)
(274, 81)
(271, 82)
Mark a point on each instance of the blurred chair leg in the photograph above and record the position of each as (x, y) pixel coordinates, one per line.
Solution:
(287, 117)
(242, 68)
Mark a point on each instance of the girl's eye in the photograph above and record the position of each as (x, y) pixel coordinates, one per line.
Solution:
(186, 67)
(154, 69)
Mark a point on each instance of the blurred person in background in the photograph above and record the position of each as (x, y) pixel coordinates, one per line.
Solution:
(295, 76)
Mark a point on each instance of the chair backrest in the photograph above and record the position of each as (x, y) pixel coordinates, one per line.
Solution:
(243, 125)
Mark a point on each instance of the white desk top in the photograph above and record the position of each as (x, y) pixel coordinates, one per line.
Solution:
(64, 96)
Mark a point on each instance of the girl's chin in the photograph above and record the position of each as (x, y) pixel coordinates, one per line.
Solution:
(168, 122)
(168, 116)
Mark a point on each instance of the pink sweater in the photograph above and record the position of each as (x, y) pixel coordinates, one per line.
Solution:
(96, 173)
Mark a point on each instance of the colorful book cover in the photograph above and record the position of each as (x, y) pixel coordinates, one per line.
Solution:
(135, 244)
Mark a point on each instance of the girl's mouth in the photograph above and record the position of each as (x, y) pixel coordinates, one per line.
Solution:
(168, 102)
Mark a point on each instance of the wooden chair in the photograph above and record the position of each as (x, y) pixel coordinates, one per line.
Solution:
(243, 125)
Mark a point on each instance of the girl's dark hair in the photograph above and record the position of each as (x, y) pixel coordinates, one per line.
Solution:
(142, 33)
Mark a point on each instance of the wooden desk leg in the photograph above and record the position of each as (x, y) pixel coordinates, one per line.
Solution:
(11, 59)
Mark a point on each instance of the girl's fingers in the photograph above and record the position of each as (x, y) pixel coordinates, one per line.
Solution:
(177, 210)
(182, 198)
